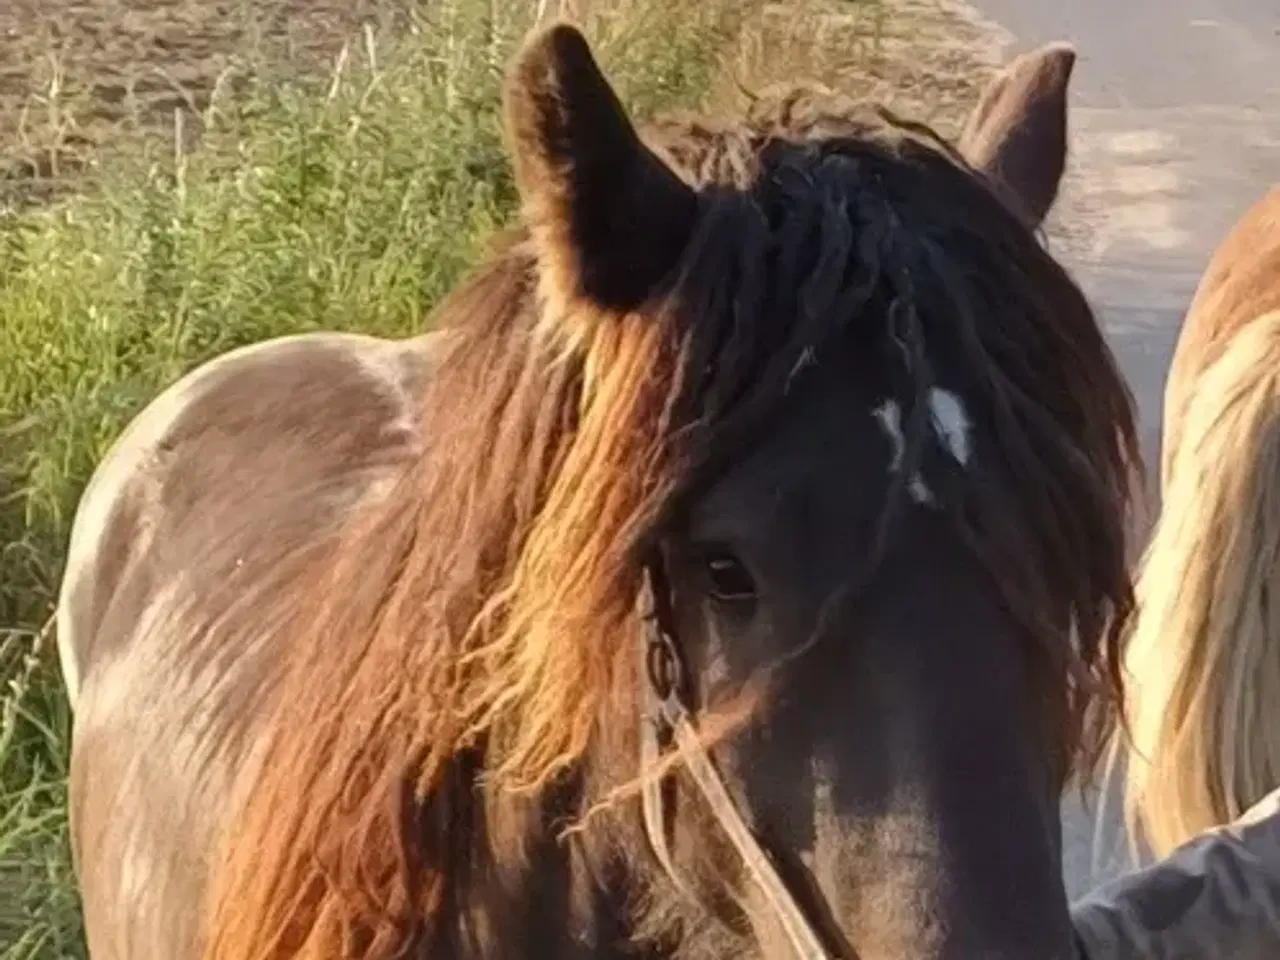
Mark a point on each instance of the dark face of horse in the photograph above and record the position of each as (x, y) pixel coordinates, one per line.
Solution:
(907, 753)
(900, 758)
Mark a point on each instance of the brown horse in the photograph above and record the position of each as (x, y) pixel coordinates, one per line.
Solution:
(731, 575)
(1205, 652)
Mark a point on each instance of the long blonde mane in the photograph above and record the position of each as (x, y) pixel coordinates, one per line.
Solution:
(1204, 658)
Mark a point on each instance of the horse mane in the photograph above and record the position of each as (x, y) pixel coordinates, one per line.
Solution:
(465, 654)
(1205, 672)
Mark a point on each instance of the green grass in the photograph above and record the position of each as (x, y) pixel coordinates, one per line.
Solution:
(350, 202)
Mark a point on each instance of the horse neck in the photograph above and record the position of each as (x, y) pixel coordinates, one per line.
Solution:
(569, 895)
(566, 908)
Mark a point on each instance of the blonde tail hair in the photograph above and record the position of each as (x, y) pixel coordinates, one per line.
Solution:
(1204, 657)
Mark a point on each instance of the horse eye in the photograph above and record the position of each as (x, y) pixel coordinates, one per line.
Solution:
(728, 578)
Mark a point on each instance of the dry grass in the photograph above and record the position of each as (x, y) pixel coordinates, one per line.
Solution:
(924, 58)
(210, 173)
(81, 79)
(81, 76)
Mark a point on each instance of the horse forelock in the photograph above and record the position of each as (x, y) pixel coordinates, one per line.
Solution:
(850, 220)
(476, 622)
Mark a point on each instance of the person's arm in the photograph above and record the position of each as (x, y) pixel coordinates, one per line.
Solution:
(1217, 897)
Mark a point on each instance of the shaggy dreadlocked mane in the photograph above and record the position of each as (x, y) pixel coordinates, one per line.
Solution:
(466, 671)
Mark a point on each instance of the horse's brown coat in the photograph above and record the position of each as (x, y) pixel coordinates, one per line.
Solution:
(297, 430)
(1241, 283)
(1205, 651)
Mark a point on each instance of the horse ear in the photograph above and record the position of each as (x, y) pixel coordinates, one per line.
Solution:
(608, 217)
(1017, 133)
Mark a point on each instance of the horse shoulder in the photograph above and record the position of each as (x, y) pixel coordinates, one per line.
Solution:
(291, 416)
(183, 551)
(1240, 284)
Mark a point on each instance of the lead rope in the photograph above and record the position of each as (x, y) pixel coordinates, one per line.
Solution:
(663, 664)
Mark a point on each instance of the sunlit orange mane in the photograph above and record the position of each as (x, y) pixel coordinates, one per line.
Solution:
(469, 646)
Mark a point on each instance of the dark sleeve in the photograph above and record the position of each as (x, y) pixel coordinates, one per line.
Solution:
(1216, 897)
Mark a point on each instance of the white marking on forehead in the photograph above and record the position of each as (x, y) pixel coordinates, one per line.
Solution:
(950, 425)
(890, 416)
